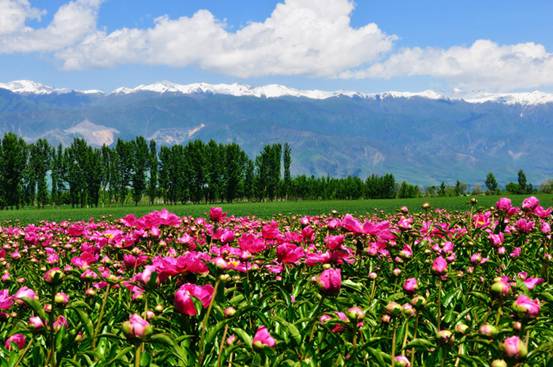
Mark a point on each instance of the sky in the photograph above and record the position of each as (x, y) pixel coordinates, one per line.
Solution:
(364, 45)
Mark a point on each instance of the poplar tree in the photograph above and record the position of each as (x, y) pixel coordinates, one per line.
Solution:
(153, 164)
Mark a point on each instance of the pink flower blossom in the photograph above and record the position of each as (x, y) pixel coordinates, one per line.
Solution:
(6, 301)
(527, 306)
(330, 281)
(137, 327)
(263, 338)
(530, 203)
(17, 339)
(183, 297)
(514, 347)
(440, 265)
(410, 285)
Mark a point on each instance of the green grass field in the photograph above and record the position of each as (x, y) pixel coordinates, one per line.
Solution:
(264, 210)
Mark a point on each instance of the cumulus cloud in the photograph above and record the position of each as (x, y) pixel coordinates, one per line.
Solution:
(312, 37)
(484, 64)
(69, 25)
(299, 37)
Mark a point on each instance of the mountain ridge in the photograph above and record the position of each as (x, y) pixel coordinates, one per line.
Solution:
(422, 140)
(278, 90)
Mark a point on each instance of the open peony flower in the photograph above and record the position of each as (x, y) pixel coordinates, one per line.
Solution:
(17, 340)
(183, 297)
(527, 306)
(263, 338)
(439, 265)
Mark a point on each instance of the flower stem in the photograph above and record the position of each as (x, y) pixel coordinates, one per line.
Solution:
(99, 322)
(204, 324)
(138, 355)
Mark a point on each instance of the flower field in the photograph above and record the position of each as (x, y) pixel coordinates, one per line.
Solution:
(432, 288)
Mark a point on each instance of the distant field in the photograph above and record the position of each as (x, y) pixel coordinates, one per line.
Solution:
(264, 210)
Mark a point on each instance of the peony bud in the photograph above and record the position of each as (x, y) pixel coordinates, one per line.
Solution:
(355, 313)
(410, 285)
(137, 327)
(514, 347)
(330, 281)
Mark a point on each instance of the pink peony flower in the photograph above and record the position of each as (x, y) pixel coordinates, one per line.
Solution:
(251, 243)
(440, 265)
(137, 327)
(183, 297)
(410, 285)
(530, 203)
(216, 214)
(17, 339)
(330, 281)
(527, 306)
(514, 347)
(25, 293)
(6, 301)
(504, 204)
(289, 253)
(263, 338)
(334, 242)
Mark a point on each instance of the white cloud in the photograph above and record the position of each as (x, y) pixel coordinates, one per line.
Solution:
(483, 65)
(300, 37)
(69, 25)
(310, 37)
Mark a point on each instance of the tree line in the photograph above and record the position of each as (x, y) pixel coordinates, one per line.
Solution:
(138, 171)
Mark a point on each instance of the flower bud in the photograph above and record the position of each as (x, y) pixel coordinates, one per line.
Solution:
(137, 327)
(330, 281)
(54, 276)
(445, 336)
(61, 298)
(355, 313)
(410, 285)
(418, 301)
(36, 323)
(488, 330)
(514, 347)
(408, 310)
(229, 311)
(401, 361)
(499, 363)
(461, 328)
(393, 308)
(263, 338)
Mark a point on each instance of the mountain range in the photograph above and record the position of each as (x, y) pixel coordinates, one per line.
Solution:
(423, 137)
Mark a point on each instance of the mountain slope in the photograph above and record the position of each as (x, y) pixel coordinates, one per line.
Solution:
(423, 137)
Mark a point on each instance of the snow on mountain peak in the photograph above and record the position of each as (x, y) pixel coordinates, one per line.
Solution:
(529, 98)
(278, 90)
(30, 87)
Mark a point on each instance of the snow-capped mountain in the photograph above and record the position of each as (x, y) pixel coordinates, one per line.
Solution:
(277, 91)
(266, 91)
(530, 98)
(423, 137)
(32, 87)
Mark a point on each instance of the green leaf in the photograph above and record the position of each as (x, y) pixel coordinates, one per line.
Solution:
(292, 329)
(244, 336)
(420, 343)
(87, 323)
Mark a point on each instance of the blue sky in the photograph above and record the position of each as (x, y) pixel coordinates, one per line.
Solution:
(443, 45)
